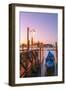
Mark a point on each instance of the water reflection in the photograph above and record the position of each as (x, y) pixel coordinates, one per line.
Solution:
(32, 64)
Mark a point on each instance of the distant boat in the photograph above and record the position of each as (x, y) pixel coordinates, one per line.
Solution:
(50, 64)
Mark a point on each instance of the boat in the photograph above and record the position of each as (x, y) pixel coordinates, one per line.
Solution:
(50, 64)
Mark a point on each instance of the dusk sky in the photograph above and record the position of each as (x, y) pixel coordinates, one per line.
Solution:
(44, 24)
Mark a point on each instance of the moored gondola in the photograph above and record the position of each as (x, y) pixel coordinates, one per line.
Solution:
(50, 64)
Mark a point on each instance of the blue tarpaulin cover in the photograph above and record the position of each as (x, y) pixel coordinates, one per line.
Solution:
(50, 59)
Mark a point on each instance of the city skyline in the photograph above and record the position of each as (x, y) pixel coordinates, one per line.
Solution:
(44, 24)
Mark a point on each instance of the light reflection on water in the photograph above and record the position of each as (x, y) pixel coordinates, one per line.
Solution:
(41, 71)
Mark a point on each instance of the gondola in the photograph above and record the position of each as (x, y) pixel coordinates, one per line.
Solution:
(50, 64)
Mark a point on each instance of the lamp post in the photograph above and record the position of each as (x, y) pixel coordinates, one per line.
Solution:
(32, 37)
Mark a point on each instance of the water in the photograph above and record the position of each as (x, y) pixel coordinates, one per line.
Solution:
(41, 69)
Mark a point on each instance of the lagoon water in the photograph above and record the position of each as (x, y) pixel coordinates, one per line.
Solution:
(42, 69)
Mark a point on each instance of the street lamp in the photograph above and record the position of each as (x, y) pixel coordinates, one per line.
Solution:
(32, 36)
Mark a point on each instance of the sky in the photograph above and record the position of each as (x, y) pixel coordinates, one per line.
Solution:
(44, 24)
